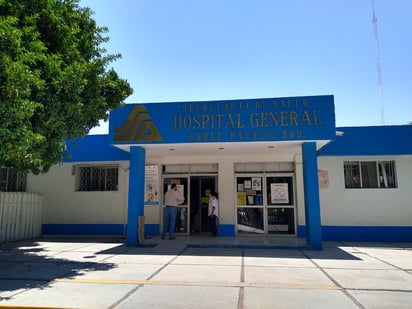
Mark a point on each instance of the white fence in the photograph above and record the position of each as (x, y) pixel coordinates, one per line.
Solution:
(20, 215)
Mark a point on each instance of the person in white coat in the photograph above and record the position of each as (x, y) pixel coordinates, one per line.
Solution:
(213, 213)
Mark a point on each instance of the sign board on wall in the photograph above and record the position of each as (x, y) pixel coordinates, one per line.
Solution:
(272, 119)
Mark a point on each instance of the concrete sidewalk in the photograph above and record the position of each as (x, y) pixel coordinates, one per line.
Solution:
(203, 273)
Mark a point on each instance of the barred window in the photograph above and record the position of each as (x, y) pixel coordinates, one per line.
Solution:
(12, 180)
(370, 174)
(97, 178)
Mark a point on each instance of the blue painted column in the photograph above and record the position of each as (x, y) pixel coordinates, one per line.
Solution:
(136, 193)
(311, 192)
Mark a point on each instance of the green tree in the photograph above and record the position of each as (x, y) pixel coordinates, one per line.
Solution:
(55, 80)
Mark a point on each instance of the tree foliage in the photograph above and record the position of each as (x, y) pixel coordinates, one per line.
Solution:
(55, 80)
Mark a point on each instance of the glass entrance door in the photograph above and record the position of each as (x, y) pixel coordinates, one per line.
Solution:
(182, 223)
(200, 189)
(280, 209)
(265, 204)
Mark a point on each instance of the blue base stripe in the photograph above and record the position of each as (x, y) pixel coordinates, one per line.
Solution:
(227, 230)
(363, 233)
(329, 233)
(152, 229)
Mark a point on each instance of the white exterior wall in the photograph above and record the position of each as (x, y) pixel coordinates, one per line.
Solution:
(226, 179)
(366, 207)
(300, 196)
(63, 205)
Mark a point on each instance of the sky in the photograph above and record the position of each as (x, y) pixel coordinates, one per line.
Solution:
(201, 50)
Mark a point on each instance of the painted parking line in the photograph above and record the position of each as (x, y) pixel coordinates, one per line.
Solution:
(27, 307)
(194, 283)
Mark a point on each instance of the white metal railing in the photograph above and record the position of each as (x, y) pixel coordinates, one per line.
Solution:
(20, 215)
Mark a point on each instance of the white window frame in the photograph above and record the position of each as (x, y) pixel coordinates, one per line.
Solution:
(370, 174)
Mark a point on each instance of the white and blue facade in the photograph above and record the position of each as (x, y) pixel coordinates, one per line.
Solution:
(368, 214)
(277, 163)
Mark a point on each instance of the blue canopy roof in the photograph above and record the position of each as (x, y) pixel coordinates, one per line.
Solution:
(371, 141)
(93, 148)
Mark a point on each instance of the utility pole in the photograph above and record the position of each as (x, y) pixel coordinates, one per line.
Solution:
(378, 63)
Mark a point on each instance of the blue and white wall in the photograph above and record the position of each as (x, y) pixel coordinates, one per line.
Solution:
(346, 214)
(66, 211)
(70, 212)
(369, 214)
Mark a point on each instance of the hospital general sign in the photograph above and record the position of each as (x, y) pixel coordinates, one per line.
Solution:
(252, 120)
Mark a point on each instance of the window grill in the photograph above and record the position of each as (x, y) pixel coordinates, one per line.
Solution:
(370, 174)
(12, 180)
(97, 178)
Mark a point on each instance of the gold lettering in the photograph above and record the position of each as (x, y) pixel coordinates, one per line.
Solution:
(205, 120)
(305, 103)
(292, 118)
(254, 122)
(291, 134)
(239, 123)
(305, 118)
(264, 120)
(274, 118)
(263, 104)
(177, 122)
(219, 117)
(315, 118)
(187, 122)
(288, 104)
(230, 121)
(196, 122)
(284, 118)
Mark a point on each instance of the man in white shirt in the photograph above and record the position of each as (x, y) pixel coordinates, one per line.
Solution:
(173, 198)
(213, 213)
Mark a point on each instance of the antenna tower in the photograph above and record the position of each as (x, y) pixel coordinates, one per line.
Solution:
(378, 62)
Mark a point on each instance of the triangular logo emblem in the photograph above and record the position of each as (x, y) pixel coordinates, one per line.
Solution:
(138, 127)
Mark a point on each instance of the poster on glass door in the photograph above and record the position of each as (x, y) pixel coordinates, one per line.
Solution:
(151, 196)
(279, 193)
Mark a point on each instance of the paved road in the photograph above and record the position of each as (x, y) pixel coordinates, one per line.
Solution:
(217, 273)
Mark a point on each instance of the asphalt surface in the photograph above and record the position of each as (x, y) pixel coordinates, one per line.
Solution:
(204, 272)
